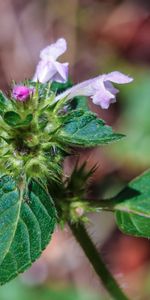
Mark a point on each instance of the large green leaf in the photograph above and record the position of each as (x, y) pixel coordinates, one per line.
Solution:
(26, 226)
(133, 207)
(83, 128)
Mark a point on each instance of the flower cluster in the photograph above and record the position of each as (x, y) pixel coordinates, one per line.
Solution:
(100, 88)
(34, 121)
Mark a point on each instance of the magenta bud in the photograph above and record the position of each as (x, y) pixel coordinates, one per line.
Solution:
(22, 93)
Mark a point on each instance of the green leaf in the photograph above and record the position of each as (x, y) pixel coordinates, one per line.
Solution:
(78, 103)
(81, 102)
(133, 207)
(27, 120)
(13, 119)
(84, 129)
(26, 226)
(58, 87)
(4, 103)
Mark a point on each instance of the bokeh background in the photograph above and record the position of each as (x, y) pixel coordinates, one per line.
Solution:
(102, 36)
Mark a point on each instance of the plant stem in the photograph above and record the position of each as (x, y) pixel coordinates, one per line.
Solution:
(100, 268)
(107, 205)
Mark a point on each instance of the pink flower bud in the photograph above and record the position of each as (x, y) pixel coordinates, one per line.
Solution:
(22, 93)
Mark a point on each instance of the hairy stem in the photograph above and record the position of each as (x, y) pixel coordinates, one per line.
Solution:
(99, 266)
(107, 205)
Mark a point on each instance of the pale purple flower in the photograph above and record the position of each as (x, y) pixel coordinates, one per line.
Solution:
(22, 93)
(48, 68)
(100, 89)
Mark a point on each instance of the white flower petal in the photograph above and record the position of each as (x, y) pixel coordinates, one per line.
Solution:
(108, 85)
(117, 77)
(54, 50)
(48, 69)
(61, 74)
(100, 89)
(84, 88)
(103, 97)
(44, 71)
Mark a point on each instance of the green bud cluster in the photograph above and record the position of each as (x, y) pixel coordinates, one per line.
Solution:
(70, 195)
(29, 143)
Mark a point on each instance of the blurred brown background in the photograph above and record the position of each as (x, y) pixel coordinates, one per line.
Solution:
(102, 36)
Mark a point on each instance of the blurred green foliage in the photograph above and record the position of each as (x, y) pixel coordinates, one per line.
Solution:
(16, 290)
(135, 122)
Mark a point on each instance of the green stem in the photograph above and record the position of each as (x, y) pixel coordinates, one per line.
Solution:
(100, 268)
(107, 205)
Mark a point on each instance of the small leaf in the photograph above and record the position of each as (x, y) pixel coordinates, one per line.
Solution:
(12, 118)
(78, 103)
(26, 226)
(133, 207)
(58, 87)
(84, 129)
(27, 120)
(4, 102)
(81, 103)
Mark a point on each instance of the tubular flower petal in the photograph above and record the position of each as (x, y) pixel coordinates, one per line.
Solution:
(100, 89)
(48, 69)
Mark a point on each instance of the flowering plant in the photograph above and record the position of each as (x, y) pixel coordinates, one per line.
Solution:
(41, 122)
